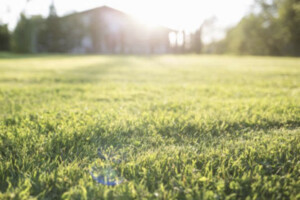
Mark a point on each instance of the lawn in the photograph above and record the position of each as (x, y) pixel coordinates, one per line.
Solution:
(171, 127)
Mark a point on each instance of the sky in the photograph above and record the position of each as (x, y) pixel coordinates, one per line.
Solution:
(177, 14)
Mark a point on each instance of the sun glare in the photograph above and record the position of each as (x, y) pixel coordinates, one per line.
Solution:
(173, 14)
(184, 15)
(180, 15)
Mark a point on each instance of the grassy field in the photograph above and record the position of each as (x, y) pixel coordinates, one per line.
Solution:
(184, 127)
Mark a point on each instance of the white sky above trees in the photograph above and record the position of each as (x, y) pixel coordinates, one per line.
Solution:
(177, 14)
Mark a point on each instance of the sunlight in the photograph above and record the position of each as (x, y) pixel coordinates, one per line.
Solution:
(187, 15)
(175, 14)
(149, 99)
(172, 38)
(184, 15)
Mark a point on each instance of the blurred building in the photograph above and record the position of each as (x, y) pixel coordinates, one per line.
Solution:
(107, 30)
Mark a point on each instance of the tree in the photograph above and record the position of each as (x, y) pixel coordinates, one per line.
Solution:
(196, 41)
(4, 38)
(51, 35)
(21, 39)
(25, 38)
(289, 16)
(273, 30)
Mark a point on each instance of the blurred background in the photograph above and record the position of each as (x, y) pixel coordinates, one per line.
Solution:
(248, 27)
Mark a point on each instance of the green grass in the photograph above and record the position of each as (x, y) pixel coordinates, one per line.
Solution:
(188, 127)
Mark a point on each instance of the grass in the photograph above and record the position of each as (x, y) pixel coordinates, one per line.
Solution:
(186, 127)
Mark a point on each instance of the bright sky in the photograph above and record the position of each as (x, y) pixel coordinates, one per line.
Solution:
(177, 14)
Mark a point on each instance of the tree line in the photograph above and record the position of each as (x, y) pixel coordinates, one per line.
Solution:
(271, 28)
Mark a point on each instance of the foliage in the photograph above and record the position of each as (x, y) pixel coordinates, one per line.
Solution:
(52, 34)
(186, 127)
(273, 30)
(289, 12)
(25, 38)
(36, 34)
(21, 42)
(4, 38)
(72, 37)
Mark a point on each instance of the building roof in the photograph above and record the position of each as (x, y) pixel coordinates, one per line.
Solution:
(113, 10)
(98, 9)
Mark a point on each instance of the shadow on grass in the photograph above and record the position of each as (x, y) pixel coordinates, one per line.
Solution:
(8, 55)
(64, 149)
(88, 74)
(179, 134)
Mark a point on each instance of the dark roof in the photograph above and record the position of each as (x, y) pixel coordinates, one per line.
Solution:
(110, 9)
(101, 8)
(107, 8)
